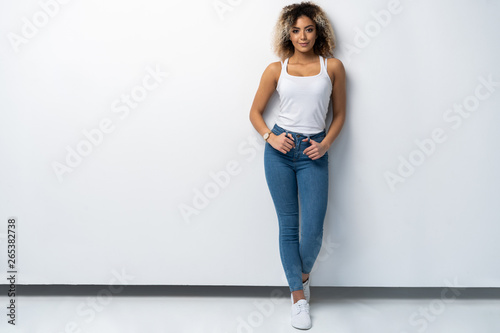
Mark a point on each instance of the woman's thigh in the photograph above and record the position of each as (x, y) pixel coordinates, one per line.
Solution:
(312, 181)
(281, 180)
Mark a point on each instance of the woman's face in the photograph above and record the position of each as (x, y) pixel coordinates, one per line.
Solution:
(303, 34)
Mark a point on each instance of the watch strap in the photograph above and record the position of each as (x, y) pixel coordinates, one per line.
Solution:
(268, 135)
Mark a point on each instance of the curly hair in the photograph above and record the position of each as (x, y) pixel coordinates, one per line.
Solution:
(283, 46)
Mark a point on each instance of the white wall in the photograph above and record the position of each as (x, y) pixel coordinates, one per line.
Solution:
(118, 208)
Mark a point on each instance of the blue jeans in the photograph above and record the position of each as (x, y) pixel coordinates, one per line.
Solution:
(292, 178)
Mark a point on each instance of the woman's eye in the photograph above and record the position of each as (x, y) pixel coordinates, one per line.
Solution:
(308, 30)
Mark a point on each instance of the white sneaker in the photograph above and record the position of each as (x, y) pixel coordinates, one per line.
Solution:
(307, 292)
(300, 315)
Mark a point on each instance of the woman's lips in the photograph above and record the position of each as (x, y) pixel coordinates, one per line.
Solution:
(303, 44)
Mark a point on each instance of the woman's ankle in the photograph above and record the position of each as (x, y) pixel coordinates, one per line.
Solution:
(297, 295)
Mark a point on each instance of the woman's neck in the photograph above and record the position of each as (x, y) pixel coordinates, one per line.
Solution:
(304, 58)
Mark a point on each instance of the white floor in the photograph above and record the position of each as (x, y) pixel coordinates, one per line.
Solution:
(80, 309)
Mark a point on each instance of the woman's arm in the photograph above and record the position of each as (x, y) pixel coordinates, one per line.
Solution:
(318, 149)
(338, 101)
(266, 89)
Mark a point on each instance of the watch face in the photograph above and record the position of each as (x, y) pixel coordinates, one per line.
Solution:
(266, 136)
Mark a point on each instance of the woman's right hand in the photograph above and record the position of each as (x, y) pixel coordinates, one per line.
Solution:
(281, 142)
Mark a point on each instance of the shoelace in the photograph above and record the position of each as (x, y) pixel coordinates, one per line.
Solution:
(302, 307)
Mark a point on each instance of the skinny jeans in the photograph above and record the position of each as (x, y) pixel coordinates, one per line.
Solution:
(296, 180)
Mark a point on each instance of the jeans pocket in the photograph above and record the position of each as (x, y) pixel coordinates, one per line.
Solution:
(319, 138)
(273, 149)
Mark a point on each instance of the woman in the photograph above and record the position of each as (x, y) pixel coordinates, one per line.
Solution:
(296, 152)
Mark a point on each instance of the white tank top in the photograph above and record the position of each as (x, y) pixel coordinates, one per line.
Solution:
(304, 100)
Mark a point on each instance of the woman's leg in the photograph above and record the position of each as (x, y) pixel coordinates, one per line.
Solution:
(282, 183)
(312, 179)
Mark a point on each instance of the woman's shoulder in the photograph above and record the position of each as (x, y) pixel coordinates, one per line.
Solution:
(334, 63)
(335, 67)
(274, 67)
(273, 70)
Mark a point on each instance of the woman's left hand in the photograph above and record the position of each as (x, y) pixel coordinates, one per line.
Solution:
(315, 150)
